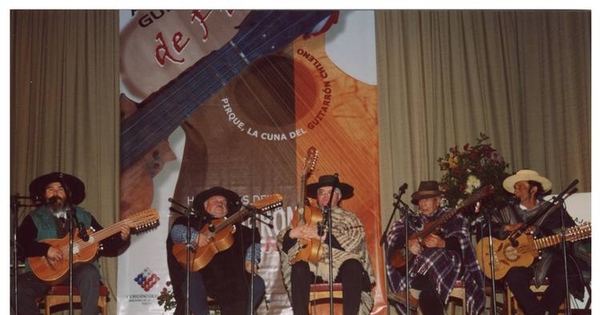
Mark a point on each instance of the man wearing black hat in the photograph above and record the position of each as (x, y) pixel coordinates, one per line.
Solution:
(58, 195)
(439, 259)
(226, 278)
(351, 260)
(528, 206)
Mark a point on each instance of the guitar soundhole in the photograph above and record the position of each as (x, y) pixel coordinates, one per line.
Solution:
(511, 253)
(275, 92)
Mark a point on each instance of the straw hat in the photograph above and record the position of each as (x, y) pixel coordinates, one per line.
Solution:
(526, 175)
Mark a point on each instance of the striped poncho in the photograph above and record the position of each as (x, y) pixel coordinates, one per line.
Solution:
(445, 266)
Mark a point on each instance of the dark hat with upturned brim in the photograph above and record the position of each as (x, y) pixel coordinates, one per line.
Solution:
(73, 186)
(233, 199)
(329, 180)
(427, 189)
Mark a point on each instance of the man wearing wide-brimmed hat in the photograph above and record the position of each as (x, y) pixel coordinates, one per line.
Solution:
(440, 258)
(226, 278)
(527, 206)
(58, 196)
(351, 261)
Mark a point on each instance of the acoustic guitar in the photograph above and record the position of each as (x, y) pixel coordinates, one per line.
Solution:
(220, 235)
(84, 251)
(522, 251)
(398, 257)
(306, 214)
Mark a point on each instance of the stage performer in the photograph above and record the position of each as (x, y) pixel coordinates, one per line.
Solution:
(351, 260)
(226, 278)
(440, 259)
(58, 195)
(528, 206)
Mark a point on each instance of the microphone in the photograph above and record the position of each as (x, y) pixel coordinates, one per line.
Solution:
(402, 188)
(514, 200)
(53, 200)
(234, 203)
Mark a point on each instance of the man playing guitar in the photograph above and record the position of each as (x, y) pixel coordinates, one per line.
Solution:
(58, 195)
(528, 207)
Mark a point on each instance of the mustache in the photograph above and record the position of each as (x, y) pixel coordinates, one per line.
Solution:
(54, 200)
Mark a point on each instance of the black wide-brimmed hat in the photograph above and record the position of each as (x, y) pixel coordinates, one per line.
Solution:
(329, 180)
(233, 199)
(73, 186)
(427, 189)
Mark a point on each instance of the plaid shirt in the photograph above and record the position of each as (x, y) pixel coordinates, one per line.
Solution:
(442, 265)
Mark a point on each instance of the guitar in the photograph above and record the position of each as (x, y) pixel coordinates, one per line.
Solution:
(397, 258)
(145, 130)
(84, 251)
(524, 250)
(310, 250)
(220, 235)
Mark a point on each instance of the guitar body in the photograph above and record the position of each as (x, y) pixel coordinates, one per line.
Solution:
(55, 272)
(310, 250)
(220, 233)
(505, 255)
(84, 251)
(200, 257)
(524, 250)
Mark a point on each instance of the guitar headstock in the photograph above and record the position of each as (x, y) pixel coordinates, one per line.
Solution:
(264, 32)
(268, 202)
(143, 220)
(579, 232)
(310, 161)
(478, 195)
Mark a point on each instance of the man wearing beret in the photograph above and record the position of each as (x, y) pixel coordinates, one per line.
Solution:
(227, 276)
(58, 196)
(528, 207)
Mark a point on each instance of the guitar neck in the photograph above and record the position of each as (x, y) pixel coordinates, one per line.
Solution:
(260, 33)
(107, 232)
(572, 234)
(235, 218)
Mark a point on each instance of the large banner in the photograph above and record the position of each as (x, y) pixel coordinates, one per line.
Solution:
(249, 128)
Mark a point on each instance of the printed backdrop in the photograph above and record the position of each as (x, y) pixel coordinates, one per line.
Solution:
(251, 135)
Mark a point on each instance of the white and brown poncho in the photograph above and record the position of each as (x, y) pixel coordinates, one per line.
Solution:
(350, 233)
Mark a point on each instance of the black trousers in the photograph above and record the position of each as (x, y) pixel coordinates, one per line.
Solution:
(429, 301)
(519, 281)
(352, 275)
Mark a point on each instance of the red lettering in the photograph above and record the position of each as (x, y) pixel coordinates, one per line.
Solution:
(163, 53)
(196, 15)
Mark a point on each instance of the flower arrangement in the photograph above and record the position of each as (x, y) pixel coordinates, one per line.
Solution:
(166, 298)
(474, 167)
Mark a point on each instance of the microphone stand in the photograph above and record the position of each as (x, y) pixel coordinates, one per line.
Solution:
(70, 217)
(327, 216)
(189, 247)
(253, 219)
(488, 219)
(383, 241)
(15, 205)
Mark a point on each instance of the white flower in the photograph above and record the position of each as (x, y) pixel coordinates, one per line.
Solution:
(472, 184)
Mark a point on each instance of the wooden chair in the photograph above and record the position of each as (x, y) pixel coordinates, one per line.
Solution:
(457, 293)
(319, 293)
(59, 294)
